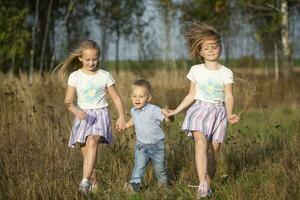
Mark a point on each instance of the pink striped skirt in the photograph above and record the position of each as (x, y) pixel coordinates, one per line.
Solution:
(97, 122)
(207, 118)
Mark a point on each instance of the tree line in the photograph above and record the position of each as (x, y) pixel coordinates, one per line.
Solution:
(29, 28)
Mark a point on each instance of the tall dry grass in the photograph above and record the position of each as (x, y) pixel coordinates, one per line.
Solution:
(260, 158)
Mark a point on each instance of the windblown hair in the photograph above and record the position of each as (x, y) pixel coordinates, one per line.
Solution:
(199, 32)
(71, 62)
(143, 83)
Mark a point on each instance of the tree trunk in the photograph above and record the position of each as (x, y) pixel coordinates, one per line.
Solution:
(286, 64)
(48, 19)
(276, 65)
(104, 46)
(66, 21)
(33, 41)
(117, 50)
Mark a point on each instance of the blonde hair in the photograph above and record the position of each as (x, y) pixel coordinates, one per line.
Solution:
(71, 62)
(197, 34)
(143, 83)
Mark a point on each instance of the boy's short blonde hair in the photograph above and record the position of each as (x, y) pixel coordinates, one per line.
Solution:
(143, 83)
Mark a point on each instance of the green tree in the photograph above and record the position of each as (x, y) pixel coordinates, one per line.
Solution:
(117, 18)
(14, 35)
(213, 12)
(271, 21)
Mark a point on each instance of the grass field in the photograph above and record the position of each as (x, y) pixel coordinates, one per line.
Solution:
(259, 160)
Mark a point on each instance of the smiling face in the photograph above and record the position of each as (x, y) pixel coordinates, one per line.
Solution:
(89, 59)
(210, 50)
(140, 96)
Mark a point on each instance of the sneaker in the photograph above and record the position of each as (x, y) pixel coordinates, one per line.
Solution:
(132, 187)
(84, 186)
(209, 193)
(202, 190)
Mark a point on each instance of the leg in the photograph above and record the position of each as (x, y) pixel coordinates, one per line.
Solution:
(141, 159)
(89, 152)
(214, 152)
(200, 155)
(93, 176)
(157, 156)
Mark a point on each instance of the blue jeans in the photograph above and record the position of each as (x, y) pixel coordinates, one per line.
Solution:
(143, 154)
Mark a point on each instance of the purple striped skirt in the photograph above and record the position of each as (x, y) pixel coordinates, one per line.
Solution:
(207, 118)
(97, 122)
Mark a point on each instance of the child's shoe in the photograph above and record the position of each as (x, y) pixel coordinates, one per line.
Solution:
(132, 187)
(202, 190)
(85, 186)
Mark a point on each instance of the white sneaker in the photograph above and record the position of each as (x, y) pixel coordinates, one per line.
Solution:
(85, 186)
(202, 190)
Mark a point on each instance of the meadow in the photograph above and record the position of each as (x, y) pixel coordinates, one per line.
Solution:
(259, 159)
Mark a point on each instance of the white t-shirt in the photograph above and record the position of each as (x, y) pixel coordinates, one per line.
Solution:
(210, 83)
(91, 89)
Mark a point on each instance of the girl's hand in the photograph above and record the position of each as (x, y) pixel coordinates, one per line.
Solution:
(121, 124)
(168, 113)
(80, 114)
(232, 119)
(165, 112)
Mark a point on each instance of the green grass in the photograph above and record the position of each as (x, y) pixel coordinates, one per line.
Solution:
(259, 159)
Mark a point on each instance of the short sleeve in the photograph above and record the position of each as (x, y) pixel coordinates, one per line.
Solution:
(228, 77)
(157, 113)
(72, 80)
(191, 76)
(110, 80)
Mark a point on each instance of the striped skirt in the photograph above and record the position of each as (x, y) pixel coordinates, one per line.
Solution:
(207, 118)
(97, 122)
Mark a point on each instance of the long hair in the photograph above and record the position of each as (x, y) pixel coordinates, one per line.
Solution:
(71, 62)
(199, 32)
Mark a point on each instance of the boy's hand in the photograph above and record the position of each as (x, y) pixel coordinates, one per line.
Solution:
(232, 119)
(166, 113)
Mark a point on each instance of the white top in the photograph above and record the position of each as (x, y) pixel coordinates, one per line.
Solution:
(210, 83)
(91, 88)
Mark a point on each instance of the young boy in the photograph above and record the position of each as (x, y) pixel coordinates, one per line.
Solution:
(146, 119)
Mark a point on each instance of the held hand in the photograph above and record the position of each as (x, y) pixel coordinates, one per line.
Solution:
(232, 119)
(170, 113)
(165, 112)
(121, 124)
(80, 114)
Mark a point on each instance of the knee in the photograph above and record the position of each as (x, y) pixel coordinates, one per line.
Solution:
(92, 141)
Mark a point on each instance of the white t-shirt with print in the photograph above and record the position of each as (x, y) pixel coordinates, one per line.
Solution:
(210, 83)
(91, 89)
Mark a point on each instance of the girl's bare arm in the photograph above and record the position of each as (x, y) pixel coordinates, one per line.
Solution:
(188, 99)
(69, 103)
(120, 124)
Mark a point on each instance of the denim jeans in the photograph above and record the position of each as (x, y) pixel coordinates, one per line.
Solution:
(143, 154)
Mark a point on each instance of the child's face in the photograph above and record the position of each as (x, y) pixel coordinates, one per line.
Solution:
(210, 50)
(140, 96)
(89, 59)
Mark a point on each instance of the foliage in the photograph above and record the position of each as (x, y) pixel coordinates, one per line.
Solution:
(14, 35)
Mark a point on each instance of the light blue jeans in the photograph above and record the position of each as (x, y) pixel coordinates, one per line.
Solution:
(143, 154)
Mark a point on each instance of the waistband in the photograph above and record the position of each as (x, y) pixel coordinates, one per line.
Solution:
(220, 103)
(151, 144)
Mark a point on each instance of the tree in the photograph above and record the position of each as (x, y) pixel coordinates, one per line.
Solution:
(216, 13)
(14, 35)
(117, 17)
(271, 20)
